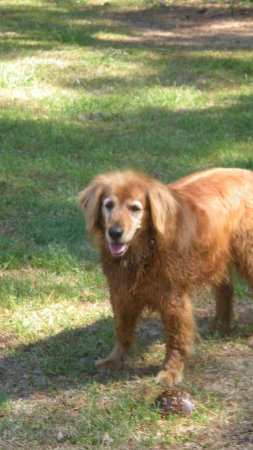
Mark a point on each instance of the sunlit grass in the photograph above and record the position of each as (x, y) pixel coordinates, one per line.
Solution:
(84, 91)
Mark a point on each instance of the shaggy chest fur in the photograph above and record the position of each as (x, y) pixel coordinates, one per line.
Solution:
(149, 277)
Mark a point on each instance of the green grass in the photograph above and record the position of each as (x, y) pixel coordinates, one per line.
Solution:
(83, 92)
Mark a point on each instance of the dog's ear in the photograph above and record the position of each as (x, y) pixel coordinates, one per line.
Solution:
(89, 200)
(163, 207)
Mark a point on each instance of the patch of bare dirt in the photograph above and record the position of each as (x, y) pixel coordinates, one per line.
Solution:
(190, 25)
(228, 374)
(6, 340)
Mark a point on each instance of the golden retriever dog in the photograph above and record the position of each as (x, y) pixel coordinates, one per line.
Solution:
(158, 242)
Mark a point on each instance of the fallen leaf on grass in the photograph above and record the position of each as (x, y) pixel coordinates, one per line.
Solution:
(250, 341)
(85, 293)
(60, 436)
(107, 439)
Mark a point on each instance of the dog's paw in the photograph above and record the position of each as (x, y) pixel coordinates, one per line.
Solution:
(220, 328)
(170, 376)
(109, 364)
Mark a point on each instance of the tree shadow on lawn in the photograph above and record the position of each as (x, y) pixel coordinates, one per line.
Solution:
(56, 160)
(30, 29)
(201, 71)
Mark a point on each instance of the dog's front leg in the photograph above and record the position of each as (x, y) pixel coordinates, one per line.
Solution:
(178, 323)
(125, 318)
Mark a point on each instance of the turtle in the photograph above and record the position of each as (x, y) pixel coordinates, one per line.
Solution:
(174, 401)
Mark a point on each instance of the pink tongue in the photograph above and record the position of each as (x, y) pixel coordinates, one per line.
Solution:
(117, 249)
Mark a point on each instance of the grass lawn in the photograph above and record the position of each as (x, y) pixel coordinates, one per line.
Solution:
(87, 87)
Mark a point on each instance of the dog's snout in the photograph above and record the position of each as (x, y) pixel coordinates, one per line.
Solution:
(115, 232)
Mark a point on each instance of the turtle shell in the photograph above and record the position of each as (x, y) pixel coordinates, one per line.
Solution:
(175, 402)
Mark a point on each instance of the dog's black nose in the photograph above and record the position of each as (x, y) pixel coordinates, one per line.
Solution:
(115, 232)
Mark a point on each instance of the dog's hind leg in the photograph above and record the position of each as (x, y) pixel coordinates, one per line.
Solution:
(177, 316)
(224, 305)
(243, 255)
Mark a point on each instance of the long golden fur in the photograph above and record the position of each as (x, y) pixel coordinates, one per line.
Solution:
(158, 242)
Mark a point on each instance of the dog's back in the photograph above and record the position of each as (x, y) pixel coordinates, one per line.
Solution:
(221, 201)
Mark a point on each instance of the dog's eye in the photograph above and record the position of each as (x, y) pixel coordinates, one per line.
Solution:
(109, 205)
(135, 208)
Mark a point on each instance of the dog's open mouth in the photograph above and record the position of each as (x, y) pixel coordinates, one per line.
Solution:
(118, 249)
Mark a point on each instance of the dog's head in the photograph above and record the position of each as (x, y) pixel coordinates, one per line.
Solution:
(122, 206)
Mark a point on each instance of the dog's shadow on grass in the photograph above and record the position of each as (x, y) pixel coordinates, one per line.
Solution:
(67, 359)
